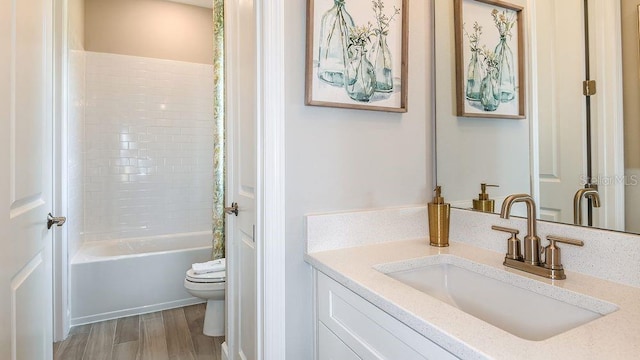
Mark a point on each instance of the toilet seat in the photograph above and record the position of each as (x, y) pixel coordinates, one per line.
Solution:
(214, 277)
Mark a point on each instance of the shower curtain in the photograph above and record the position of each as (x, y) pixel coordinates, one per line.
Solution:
(218, 137)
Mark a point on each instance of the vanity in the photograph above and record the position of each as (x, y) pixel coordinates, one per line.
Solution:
(381, 292)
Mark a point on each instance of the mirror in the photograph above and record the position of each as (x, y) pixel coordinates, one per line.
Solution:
(546, 154)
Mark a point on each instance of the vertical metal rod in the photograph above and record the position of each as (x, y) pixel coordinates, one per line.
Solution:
(588, 109)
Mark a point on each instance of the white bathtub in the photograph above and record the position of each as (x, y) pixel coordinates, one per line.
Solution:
(116, 278)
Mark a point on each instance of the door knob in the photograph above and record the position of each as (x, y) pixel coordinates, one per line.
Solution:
(233, 209)
(57, 220)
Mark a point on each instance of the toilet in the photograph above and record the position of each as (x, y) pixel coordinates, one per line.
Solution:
(211, 287)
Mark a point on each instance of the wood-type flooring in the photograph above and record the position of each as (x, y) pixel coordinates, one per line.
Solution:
(174, 334)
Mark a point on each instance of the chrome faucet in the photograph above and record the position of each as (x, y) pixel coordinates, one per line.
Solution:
(588, 192)
(552, 266)
(531, 240)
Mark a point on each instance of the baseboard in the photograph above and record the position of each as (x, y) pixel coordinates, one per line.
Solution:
(225, 351)
(135, 311)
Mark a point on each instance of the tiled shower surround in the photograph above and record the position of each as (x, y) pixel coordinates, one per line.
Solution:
(147, 149)
(75, 143)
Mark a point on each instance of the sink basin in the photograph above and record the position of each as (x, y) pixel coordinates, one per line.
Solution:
(527, 308)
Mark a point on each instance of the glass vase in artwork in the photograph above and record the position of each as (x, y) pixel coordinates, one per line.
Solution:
(488, 89)
(381, 59)
(360, 75)
(506, 77)
(335, 27)
(474, 77)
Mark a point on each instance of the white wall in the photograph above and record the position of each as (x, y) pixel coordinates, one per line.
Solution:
(474, 150)
(75, 150)
(75, 125)
(340, 159)
(140, 129)
(148, 147)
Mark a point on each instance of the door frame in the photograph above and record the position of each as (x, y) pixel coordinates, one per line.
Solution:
(534, 142)
(270, 224)
(270, 201)
(608, 145)
(61, 313)
(271, 205)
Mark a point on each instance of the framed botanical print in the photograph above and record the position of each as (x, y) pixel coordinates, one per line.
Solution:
(490, 74)
(357, 54)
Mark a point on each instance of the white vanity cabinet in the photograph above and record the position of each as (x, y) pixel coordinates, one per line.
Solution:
(349, 327)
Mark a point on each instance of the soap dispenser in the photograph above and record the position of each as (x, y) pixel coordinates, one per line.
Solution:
(483, 203)
(439, 220)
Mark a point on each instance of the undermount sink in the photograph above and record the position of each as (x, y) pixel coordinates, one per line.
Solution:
(527, 308)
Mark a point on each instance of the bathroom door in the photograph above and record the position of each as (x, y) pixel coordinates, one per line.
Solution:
(242, 127)
(26, 89)
(561, 106)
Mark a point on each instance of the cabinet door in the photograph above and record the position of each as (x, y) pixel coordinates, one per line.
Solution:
(331, 348)
(371, 333)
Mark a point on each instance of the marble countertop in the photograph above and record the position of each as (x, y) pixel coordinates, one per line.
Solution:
(614, 336)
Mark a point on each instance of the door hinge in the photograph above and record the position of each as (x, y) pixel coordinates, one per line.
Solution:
(589, 87)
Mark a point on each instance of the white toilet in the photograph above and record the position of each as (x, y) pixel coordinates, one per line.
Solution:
(210, 286)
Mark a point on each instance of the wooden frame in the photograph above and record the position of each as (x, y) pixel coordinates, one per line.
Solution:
(370, 18)
(482, 29)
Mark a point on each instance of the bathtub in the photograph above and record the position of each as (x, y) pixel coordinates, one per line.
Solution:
(117, 278)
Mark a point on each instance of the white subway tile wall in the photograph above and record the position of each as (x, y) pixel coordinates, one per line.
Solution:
(148, 149)
(75, 146)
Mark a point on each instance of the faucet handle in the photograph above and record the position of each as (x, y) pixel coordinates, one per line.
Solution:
(513, 243)
(505, 229)
(552, 258)
(553, 239)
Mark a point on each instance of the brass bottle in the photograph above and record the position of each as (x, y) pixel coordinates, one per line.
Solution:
(438, 220)
(483, 203)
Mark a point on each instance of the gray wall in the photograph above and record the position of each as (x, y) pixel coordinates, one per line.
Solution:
(339, 159)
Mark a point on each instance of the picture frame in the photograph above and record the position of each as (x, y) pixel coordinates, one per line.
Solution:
(490, 64)
(342, 36)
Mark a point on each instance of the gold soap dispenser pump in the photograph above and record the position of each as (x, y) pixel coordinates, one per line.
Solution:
(483, 203)
(439, 220)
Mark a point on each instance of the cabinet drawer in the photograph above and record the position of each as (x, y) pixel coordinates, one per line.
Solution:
(332, 348)
(368, 331)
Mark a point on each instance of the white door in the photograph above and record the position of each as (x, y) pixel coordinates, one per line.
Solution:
(25, 179)
(561, 106)
(240, 21)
